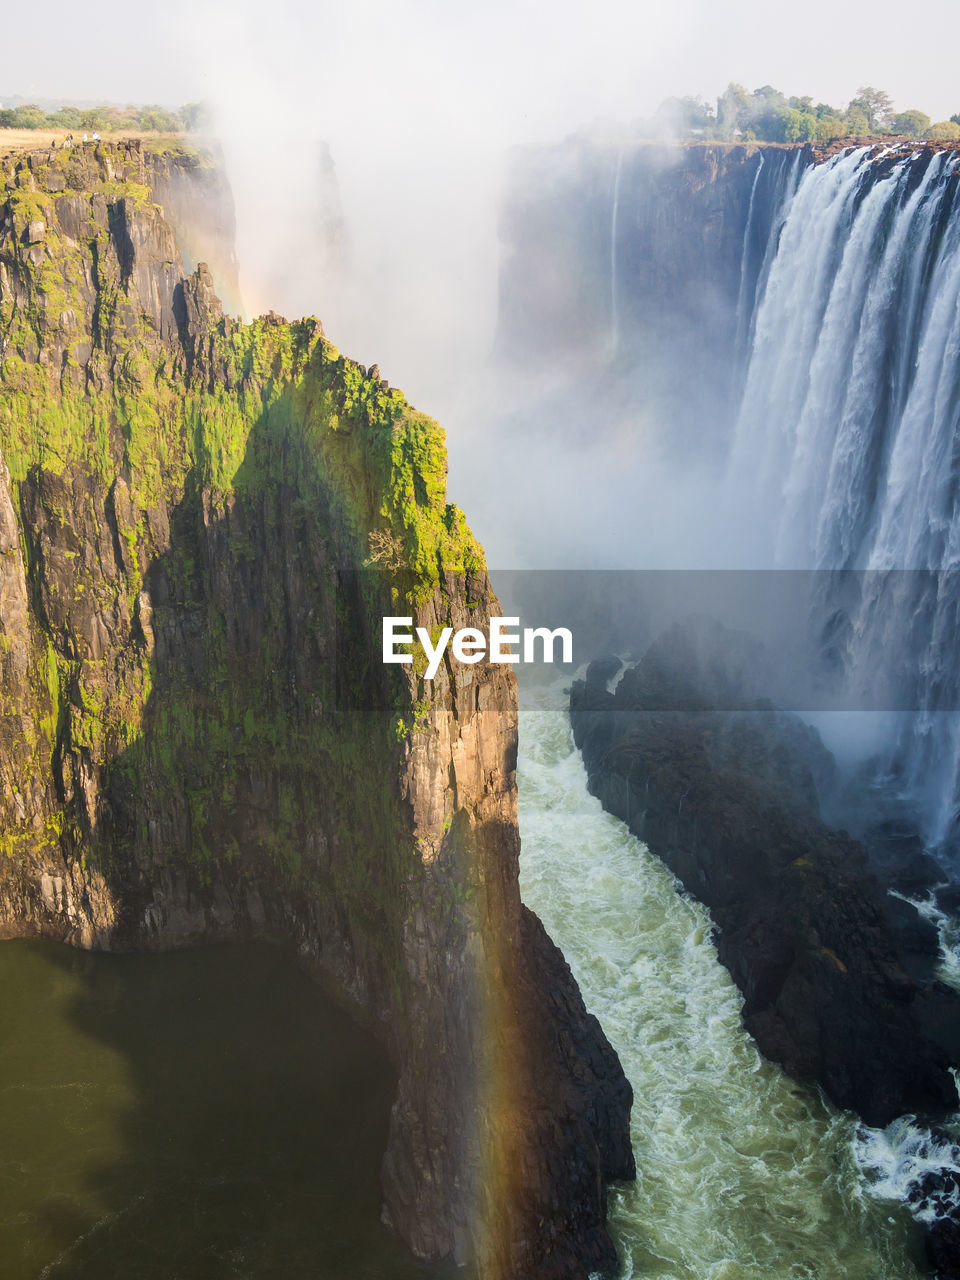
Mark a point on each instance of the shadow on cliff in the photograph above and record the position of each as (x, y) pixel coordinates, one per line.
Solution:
(248, 807)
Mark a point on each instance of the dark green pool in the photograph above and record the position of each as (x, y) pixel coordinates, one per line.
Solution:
(187, 1116)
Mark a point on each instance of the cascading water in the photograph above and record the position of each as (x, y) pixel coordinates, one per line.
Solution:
(845, 454)
(614, 212)
(743, 314)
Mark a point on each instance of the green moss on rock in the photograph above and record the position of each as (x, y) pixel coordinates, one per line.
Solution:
(176, 468)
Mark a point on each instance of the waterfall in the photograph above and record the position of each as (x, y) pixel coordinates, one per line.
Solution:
(743, 313)
(846, 452)
(614, 308)
(771, 196)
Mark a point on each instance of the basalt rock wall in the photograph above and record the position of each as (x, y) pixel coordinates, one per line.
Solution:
(641, 257)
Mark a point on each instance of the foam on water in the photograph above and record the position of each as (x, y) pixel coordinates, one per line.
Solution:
(901, 1156)
(948, 929)
(742, 1173)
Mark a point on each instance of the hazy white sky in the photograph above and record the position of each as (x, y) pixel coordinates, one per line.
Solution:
(533, 68)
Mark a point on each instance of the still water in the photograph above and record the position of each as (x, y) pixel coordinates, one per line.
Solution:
(196, 1115)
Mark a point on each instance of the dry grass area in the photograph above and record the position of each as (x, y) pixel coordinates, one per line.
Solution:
(12, 140)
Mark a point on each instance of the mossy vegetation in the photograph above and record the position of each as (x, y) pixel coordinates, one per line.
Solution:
(202, 666)
(387, 461)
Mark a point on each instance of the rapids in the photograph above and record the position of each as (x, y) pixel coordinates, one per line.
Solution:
(742, 1173)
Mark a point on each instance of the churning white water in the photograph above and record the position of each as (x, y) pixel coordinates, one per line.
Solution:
(742, 1173)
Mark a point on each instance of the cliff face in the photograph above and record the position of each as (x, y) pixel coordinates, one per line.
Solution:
(201, 524)
(588, 228)
(643, 257)
(197, 204)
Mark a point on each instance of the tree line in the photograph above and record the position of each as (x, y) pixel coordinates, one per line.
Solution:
(768, 115)
(192, 117)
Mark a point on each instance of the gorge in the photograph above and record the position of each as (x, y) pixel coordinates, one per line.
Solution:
(198, 742)
(740, 357)
(765, 339)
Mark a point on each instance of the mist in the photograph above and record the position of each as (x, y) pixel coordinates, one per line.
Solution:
(395, 242)
(381, 191)
(375, 151)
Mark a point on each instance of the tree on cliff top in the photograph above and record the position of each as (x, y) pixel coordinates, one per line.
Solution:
(685, 115)
(944, 131)
(733, 109)
(768, 115)
(913, 124)
(791, 125)
(106, 118)
(875, 104)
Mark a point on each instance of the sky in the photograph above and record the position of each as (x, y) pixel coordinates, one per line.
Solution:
(527, 67)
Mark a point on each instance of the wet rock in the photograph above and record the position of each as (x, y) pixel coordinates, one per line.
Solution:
(947, 898)
(942, 1248)
(898, 853)
(601, 671)
(917, 938)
